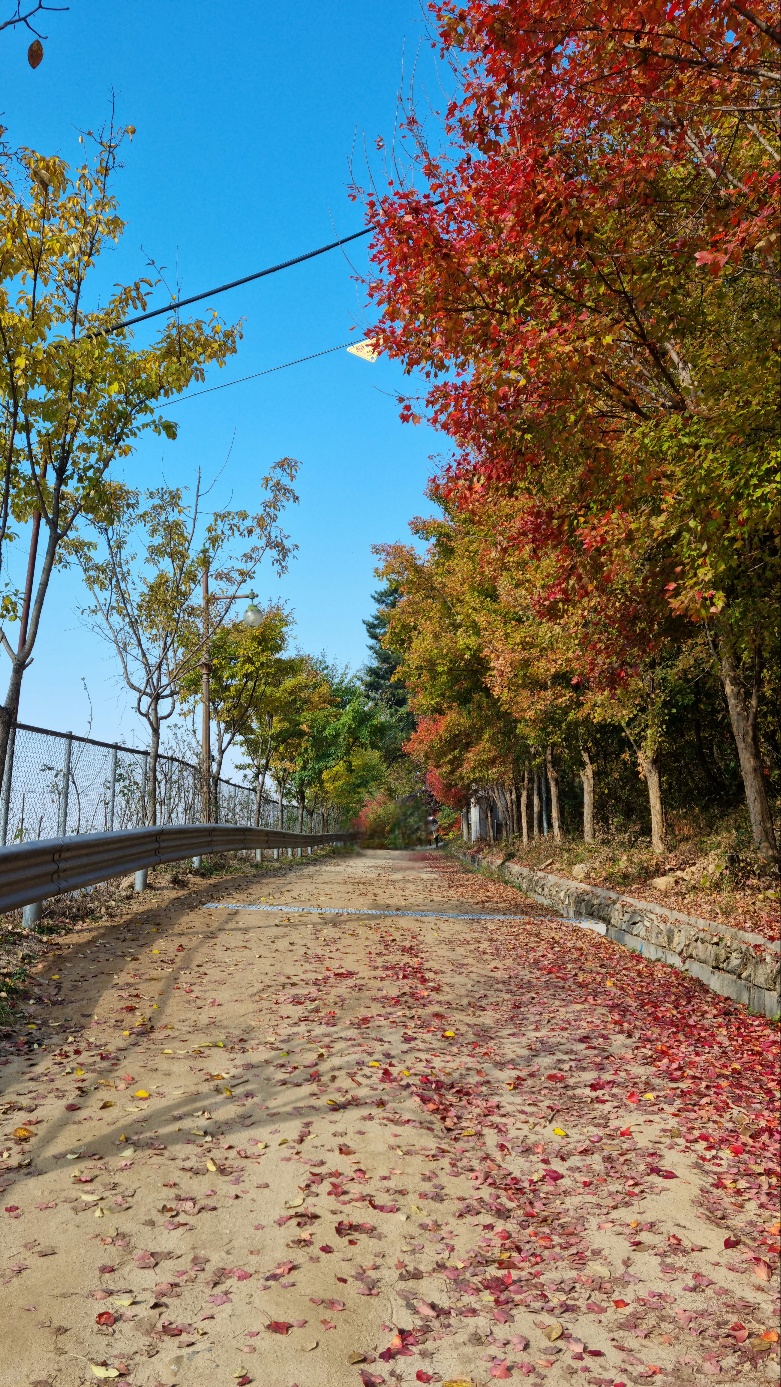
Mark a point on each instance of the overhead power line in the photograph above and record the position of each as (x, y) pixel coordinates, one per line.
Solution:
(268, 372)
(233, 284)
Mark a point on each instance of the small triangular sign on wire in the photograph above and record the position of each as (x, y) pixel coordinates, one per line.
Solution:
(366, 350)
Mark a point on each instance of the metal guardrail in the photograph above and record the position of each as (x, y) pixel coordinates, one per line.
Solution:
(33, 872)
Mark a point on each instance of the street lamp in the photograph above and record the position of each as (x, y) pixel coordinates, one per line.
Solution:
(253, 615)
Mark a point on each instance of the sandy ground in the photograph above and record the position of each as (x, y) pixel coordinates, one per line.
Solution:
(263, 1146)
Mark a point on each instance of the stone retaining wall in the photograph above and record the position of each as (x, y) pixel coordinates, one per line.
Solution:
(732, 962)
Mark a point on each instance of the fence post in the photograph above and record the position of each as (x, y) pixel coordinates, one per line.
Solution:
(31, 914)
(62, 827)
(139, 881)
(6, 796)
(112, 796)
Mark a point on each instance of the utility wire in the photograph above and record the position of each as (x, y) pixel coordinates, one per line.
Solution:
(234, 284)
(268, 372)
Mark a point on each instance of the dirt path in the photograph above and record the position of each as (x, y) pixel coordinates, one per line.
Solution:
(281, 1147)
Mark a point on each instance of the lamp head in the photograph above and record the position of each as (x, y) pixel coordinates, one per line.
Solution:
(253, 615)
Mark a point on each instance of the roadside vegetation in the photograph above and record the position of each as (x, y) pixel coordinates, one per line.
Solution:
(580, 262)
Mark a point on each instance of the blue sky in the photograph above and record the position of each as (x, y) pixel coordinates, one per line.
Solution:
(247, 119)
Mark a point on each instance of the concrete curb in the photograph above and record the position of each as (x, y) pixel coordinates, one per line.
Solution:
(733, 962)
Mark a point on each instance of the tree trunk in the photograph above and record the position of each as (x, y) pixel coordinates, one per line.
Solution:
(261, 787)
(536, 804)
(151, 769)
(489, 814)
(649, 767)
(587, 776)
(9, 712)
(553, 781)
(544, 802)
(743, 717)
(512, 796)
(281, 806)
(300, 816)
(525, 807)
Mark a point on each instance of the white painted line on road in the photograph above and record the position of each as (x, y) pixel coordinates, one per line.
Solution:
(283, 909)
(352, 910)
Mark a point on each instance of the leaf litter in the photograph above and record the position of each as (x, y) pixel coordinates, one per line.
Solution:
(484, 1152)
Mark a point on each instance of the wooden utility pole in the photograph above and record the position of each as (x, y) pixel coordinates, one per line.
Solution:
(206, 749)
(252, 617)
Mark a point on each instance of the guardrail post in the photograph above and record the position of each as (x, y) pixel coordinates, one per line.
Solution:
(32, 914)
(5, 802)
(258, 854)
(197, 863)
(112, 794)
(66, 781)
(139, 883)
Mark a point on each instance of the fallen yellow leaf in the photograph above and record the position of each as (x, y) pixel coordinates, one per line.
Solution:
(140, 1093)
(294, 1203)
(22, 1133)
(210, 1165)
(554, 1331)
(559, 1132)
(100, 1371)
(449, 1034)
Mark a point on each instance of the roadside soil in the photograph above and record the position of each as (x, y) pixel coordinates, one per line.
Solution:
(707, 877)
(283, 1146)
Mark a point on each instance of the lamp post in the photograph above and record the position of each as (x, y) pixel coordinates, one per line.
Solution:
(253, 618)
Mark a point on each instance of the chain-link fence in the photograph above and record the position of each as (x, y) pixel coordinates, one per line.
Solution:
(56, 784)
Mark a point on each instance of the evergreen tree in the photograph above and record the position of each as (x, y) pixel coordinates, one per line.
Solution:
(379, 685)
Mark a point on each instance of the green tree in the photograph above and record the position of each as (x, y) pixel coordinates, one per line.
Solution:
(381, 680)
(144, 575)
(244, 674)
(76, 393)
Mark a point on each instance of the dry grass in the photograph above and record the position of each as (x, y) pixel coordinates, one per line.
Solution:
(712, 872)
